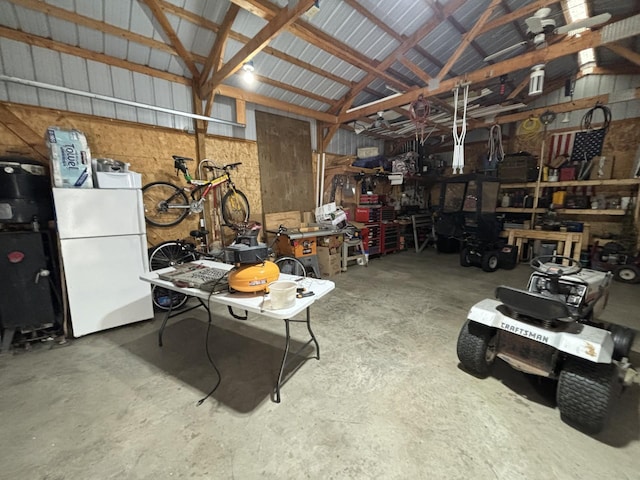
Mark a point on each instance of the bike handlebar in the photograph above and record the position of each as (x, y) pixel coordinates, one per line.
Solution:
(229, 166)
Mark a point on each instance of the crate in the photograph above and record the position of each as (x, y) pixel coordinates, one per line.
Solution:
(387, 214)
(367, 214)
(372, 245)
(389, 237)
(518, 168)
(367, 152)
(296, 248)
(369, 199)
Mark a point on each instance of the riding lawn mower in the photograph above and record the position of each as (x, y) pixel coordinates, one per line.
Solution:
(552, 330)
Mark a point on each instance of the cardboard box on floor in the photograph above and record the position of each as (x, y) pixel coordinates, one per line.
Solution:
(328, 262)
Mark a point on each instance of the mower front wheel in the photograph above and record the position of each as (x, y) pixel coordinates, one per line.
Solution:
(586, 393)
(490, 261)
(477, 348)
(627, 274)
(465, 257)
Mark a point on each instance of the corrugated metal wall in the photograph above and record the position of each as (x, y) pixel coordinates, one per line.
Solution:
(43, 65)
(592, 86)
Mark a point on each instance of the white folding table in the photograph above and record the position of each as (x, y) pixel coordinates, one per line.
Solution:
(255, 303)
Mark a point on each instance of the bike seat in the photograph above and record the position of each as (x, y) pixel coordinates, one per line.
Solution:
(199, 233)
(178, 158)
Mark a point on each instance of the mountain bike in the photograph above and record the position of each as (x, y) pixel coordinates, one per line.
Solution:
(175, 252)
(166, 204)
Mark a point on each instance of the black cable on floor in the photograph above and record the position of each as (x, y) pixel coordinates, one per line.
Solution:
(206, 344)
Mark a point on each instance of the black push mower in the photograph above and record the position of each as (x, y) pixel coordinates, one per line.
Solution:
(466, 222)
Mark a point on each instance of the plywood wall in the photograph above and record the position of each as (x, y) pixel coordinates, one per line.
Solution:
(148, 149)
(286, 170)
(621, 143)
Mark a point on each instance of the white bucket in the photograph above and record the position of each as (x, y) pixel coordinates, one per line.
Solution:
(283, 294)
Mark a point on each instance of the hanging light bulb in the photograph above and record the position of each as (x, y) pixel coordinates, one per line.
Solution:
(247, 72)
(536, 80)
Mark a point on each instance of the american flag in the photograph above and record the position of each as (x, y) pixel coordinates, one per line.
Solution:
(588, 145)
(561, 144)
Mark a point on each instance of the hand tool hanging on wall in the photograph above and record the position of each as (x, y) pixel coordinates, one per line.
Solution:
(546, 118)
(419, 111)
(458, 138)
(496, 151)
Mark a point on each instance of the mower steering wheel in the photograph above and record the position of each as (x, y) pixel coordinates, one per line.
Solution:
(546, 265)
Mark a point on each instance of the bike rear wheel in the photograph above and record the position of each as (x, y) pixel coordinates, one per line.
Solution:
(165, 255)
(291, 266)
(165, 204)
(235, 207)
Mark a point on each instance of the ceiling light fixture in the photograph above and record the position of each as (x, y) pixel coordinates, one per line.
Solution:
(247, 72)
(536, 80)
(577, 10)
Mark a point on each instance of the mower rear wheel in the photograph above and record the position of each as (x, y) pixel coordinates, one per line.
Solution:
(586, 393)
(627, 274)
(477, 348)
(490, 261)
(465, 257)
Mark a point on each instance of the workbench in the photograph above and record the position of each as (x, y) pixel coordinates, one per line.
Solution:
(569, 243)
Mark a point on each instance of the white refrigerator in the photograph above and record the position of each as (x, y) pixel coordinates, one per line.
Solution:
(103, 245)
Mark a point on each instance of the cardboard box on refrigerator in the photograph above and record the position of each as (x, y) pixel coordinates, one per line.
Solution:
(328, 262)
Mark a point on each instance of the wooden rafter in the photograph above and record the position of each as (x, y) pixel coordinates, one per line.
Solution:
(397, 53)
(24, 132)
(168, 30)
(214, 60)
(568, 46)
(298, 91)
(525, 11)
(237, 93)
(517, 25)
(365, 12)
(89, 55)
(152, 72)
(624, 52)
(467, 38)
(317, 37)
(279, 22)
(415, 69)
(209, 25)
(569, 106)
(61, 13)
(521, 86)
(40, 6)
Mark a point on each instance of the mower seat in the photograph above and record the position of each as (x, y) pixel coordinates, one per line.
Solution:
(533, 305)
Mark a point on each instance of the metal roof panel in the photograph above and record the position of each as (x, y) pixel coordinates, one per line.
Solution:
(8, 16)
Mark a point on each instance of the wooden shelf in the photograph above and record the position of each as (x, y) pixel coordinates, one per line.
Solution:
(519, 210)
(579, 211)
(574, 183)
(567, 211)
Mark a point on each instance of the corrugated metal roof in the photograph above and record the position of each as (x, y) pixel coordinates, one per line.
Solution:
(349, 28)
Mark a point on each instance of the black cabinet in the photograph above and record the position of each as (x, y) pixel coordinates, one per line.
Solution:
(26, 300)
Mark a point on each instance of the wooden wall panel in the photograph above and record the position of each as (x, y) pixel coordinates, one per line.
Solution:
(620, 143)
(286, 170)
(148, 149)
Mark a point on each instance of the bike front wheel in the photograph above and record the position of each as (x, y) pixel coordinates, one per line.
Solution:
(235, 207)
(165, 204)
(291, 266)
(168, 254)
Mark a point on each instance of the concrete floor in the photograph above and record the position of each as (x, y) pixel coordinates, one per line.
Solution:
(387, 399)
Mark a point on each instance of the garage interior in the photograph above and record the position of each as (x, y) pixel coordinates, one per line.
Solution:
(374, 111)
